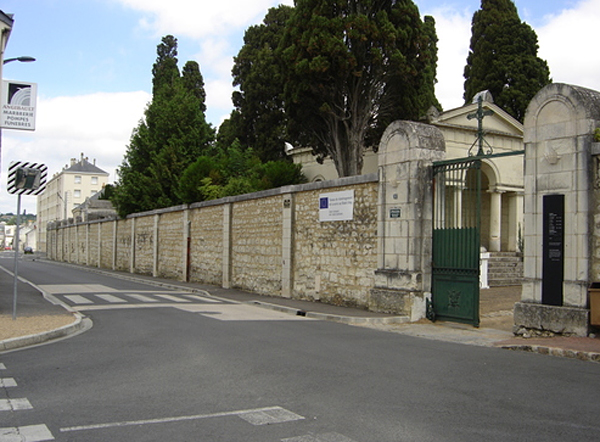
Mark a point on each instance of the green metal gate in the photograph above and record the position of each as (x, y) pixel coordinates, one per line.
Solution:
(456, 240)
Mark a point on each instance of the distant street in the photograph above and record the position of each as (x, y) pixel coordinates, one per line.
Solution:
(163, 365)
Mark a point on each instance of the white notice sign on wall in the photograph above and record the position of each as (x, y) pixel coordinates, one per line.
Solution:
(336, 206)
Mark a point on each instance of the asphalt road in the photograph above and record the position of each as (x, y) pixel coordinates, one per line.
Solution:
(156, 369)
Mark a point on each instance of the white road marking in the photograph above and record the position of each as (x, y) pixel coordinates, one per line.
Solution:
(241, 312)
(76, 288)
(15, 404)
(202, 298)
(275, 411)
(7, 382)
(2, 366)
(111, 298)
(324, 437)
(142, 298)
(78, 299)
(30, 433)
(172, 298)
(270, 416)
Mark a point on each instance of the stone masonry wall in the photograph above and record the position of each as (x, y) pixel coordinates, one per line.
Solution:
(123, 245)
(256, 233)
(106, 244)
(170, 245)
(206, 245)
(246, 242)
(335, 261)
(92, 258)
(144, 245)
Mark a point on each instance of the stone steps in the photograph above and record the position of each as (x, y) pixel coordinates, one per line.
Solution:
(505, 268)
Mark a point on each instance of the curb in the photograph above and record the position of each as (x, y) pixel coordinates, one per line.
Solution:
(351, 320)
(554, 351)
(80, 324)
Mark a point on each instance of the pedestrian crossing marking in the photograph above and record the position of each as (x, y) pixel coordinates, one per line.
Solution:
(324, 437)
(55, 289)
(241, 312)
(111, 299)
(172, 298)
(30, 433)
(78, 299)
(202, 298)
(2, 366)
(275, 414)
(142, 298)
(7, 382)
(15, 404)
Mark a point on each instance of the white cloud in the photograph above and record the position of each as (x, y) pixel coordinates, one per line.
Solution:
(97, 125)
(454, 33)
(199, 19)
(567, 44)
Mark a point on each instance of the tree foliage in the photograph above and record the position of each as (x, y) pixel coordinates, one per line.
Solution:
(352, 67)
(233, 171)
(173, 134)
(503, 58)
(261, 119)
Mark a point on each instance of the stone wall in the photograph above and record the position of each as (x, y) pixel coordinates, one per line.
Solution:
(206, 245)
(328, 255)
(270, 243)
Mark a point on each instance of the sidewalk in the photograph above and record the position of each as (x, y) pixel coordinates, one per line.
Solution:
(41, 318)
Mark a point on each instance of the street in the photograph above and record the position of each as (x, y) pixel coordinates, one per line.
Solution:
(165, 365)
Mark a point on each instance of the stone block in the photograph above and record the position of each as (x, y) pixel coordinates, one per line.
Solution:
(384, 300)
(539, 319)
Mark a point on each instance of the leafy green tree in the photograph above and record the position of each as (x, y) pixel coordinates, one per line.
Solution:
(257, 70)
(353, 66)
(234, 171)
(173, 134)
(503, 58)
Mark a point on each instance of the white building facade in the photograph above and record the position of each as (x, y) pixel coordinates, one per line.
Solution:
(65, 191)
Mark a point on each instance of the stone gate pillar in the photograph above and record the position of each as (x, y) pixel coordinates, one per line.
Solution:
(559, 210)
(405, 218)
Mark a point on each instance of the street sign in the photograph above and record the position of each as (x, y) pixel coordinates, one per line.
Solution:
(18, 105)
(26, 178)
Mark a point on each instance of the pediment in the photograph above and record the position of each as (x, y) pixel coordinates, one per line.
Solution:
(499, 122)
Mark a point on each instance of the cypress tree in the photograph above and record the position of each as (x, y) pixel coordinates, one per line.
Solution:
(503, 58)
(173, 134)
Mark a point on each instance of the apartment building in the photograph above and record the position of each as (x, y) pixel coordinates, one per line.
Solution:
(65, 191)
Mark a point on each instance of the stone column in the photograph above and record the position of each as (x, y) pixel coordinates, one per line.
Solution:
(287, 246)
(457, 206)
(132, 247)
(515, 222)
(495, 221)
(155, 234)
(405, 217)
(227, 212)
(559, 126)
(114, 245)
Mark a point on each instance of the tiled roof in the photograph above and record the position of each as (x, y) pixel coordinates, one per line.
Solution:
(84, 166)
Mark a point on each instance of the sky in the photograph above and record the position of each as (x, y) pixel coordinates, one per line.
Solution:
(94, 63)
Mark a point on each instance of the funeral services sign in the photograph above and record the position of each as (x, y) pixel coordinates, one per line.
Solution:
(18, 105)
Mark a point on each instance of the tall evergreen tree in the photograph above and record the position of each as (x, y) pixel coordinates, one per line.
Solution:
(260, 114)
(352, 66)
(173, 134)
(503, 58)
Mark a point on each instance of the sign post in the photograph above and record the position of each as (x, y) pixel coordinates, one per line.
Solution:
(23, 179)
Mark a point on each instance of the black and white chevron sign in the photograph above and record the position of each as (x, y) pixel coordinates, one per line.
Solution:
(26, 178)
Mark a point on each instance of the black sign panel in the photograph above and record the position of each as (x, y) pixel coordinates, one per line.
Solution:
(553, 262)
